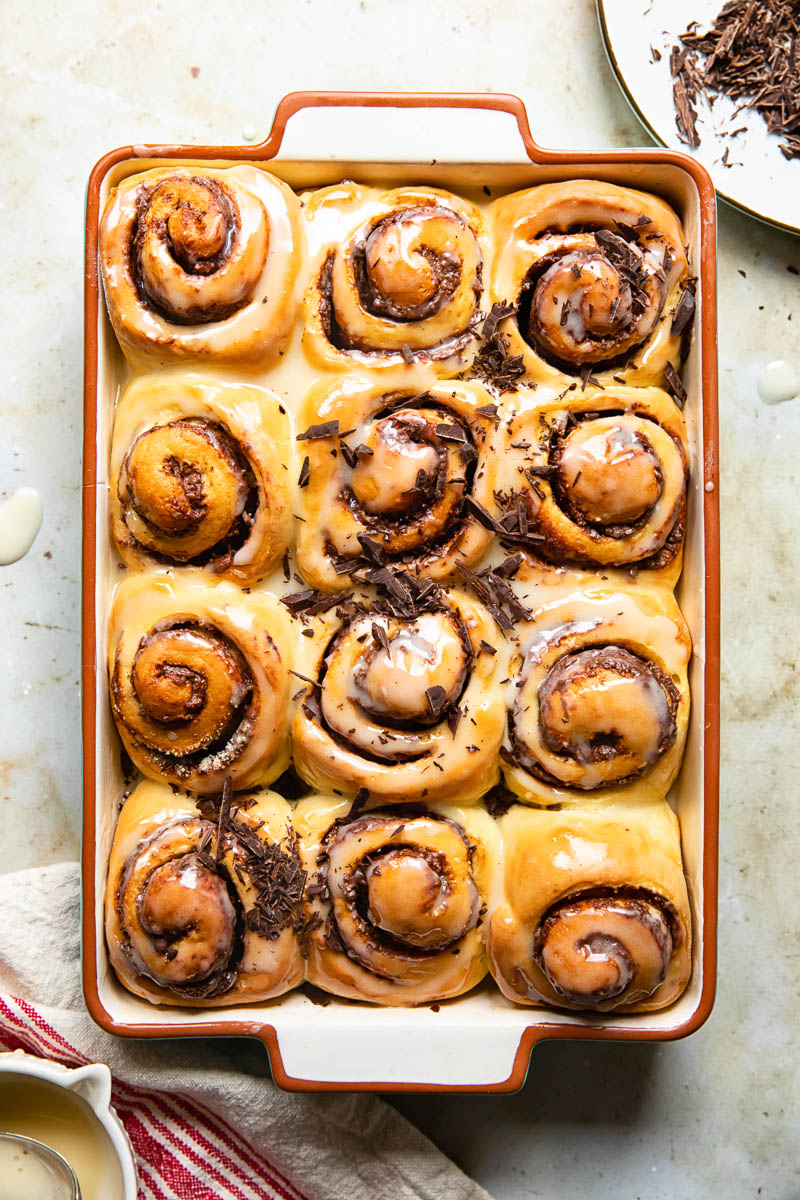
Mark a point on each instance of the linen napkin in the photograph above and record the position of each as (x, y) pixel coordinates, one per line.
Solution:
(201, 1129)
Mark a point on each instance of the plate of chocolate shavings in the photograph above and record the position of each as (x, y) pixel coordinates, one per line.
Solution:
(722, 82)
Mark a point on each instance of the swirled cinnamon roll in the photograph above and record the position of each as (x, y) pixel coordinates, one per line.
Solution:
(595, 914)
(596, 480)
(199, 679)
(397, 278)
(203, 903)
(601, 698)
(401, 704)
(396, 899)
(597, 279)
(199, 263)
(200, 476)
(388, 478)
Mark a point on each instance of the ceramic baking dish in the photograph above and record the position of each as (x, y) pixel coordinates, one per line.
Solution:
(479, 1042)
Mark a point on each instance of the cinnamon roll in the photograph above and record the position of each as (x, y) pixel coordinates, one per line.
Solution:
(201, 263)
(397, 280)
(204, 901)
(601, 698)
(595, 914)
(596, 279)
(396, 899)
(388, 478)
(199, 678)
(401, 703)
(597, 480)
(200, 476)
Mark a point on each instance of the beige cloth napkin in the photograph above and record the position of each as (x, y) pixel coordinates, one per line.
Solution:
(331, 1147)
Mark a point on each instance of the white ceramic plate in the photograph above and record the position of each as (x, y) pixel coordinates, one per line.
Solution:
(757, 179)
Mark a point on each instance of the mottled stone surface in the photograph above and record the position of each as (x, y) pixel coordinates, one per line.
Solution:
(707, 1116)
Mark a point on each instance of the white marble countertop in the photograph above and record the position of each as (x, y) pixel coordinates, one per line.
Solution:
(707, 1116)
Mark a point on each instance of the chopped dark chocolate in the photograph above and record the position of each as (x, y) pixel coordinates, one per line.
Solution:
(305, 473)
(750, 53)
(493, 363)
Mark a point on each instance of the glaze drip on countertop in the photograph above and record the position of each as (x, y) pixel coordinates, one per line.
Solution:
(20, 521)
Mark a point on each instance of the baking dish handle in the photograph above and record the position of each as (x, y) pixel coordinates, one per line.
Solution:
(484, 139)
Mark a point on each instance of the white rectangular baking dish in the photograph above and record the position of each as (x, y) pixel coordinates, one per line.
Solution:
(480, 1041)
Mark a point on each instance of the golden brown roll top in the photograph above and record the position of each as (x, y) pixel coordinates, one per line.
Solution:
(200, 476)
(397, 278)
(601, 698)
(596, 480)
(396, 899)
(201, 263)
(199, 676)
(595, 275)
(595, 913)
(401, 704)
(204, 900)
(388, 478)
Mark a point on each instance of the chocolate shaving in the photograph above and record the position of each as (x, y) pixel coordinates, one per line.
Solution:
(436, 697)
(305, 678)
(509, 566)
(675, 384)
(309, 601)
(305, 473)
(482, 515)
(685, 112)
(684, 313)
(224, 814)
(373, 551)
(314, 432)
(349, 455)
(379, 634)
(450, 433)
(499, 800)
(361, 799)
(542, 470)
(453, 718)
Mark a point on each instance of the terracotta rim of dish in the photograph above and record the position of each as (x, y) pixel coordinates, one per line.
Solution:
(292, 103)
